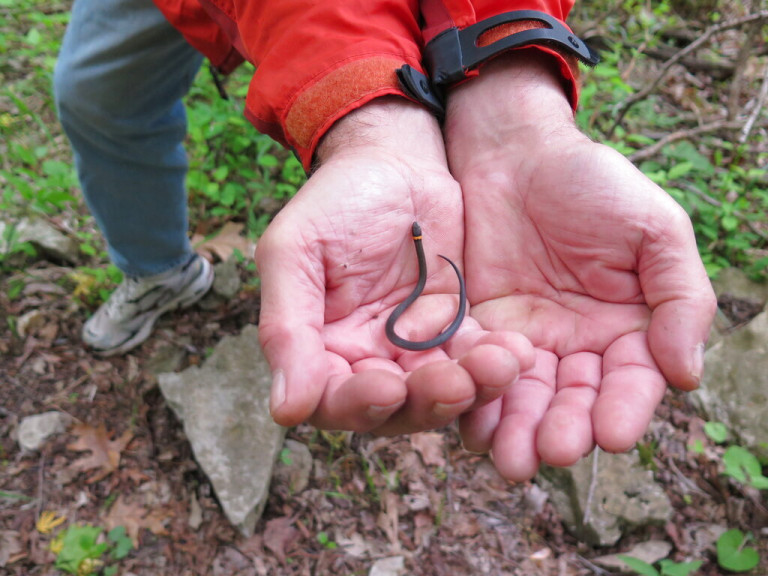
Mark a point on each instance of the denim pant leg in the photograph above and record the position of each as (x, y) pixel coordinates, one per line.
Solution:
(119, 80)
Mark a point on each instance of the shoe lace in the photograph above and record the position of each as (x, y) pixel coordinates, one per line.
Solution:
(126, 291)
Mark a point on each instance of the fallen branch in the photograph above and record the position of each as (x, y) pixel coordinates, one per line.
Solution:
(740, 77)
(701, 40)
(653, 149)
(759, 105)
(738, 214)
(592, 486)
(721, 70)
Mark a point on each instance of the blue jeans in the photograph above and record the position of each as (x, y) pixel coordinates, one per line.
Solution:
(118, 83)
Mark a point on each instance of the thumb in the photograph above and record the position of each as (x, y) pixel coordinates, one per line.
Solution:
(682, 301)
(290, 324)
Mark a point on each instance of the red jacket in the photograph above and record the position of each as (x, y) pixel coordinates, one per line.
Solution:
(318, 60)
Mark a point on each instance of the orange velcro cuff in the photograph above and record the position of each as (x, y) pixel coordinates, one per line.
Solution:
(311, 113)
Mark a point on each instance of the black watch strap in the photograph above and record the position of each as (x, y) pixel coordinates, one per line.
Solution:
(453, 53)
(417, 86)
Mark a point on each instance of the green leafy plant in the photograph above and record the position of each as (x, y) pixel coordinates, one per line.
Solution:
(716, 431)
(80, 549)
(647, 452)
(733, 553)
(235, 173)
(742, 465)
(666, 567)
(285, 456)
(92, 286)
(325, 541)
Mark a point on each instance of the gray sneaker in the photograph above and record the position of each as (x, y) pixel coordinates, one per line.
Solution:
(126, 319)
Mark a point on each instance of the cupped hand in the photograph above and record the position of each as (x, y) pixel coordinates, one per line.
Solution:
(338, 259)
(571, 245)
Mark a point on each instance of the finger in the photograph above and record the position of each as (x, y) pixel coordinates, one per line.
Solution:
(360, 402)
(565, 433)
(477, 427)
(682, 300)
(631, 389)
(290, 324)
(437, 394)
(470, 336)
(493, 369)
(495, 360)
(514, 450)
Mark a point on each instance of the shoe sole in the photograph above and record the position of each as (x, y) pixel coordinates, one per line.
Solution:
(192, 294)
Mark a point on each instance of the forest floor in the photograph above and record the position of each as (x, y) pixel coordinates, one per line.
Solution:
(446, 512)
(419, 499)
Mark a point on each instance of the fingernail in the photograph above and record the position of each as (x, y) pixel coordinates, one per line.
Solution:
(697, 365)
(478, 451)
(444, 410)
(277, 396)
(380, 412)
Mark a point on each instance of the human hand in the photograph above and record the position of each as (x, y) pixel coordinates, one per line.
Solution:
(337, 260)
(571, 245)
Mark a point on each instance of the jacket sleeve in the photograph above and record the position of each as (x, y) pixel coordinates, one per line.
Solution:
(317, 60)
(440, 15)
(204, 34)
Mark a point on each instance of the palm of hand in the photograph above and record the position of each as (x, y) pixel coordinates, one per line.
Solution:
(334, 265)
(577, 272)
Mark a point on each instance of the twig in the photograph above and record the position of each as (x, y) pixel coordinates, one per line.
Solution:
(740, 77)
(720, 70)
(688, 484)
(755, 114)
(40, 483)
(705, 36)
(653, 149)
(714, 202)
(592, 486)
(592, 566)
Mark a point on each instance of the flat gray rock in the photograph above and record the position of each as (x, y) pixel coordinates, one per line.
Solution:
(45, 237)
(625, 496)
(224, 406)
(650, 552)
(294, 467)
(35, 430)
(734, 387)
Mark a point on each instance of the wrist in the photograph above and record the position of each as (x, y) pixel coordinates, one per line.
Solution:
(518, 100)
(390, 125)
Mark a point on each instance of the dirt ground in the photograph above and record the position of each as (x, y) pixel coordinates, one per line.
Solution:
(125, 462)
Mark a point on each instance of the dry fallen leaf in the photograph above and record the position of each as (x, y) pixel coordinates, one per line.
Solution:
(279, 534)
(105, 453)
(10, 546)
(389, 520)
(134, 516)
(430, 446)
(224, 243)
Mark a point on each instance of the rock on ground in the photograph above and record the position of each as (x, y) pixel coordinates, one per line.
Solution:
(294, 467)
(45, 237)
(35, 430)
(391, 566)
(734, 388)
(224, 407)
(625, 496)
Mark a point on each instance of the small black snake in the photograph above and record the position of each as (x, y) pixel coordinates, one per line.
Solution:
(448, 332)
